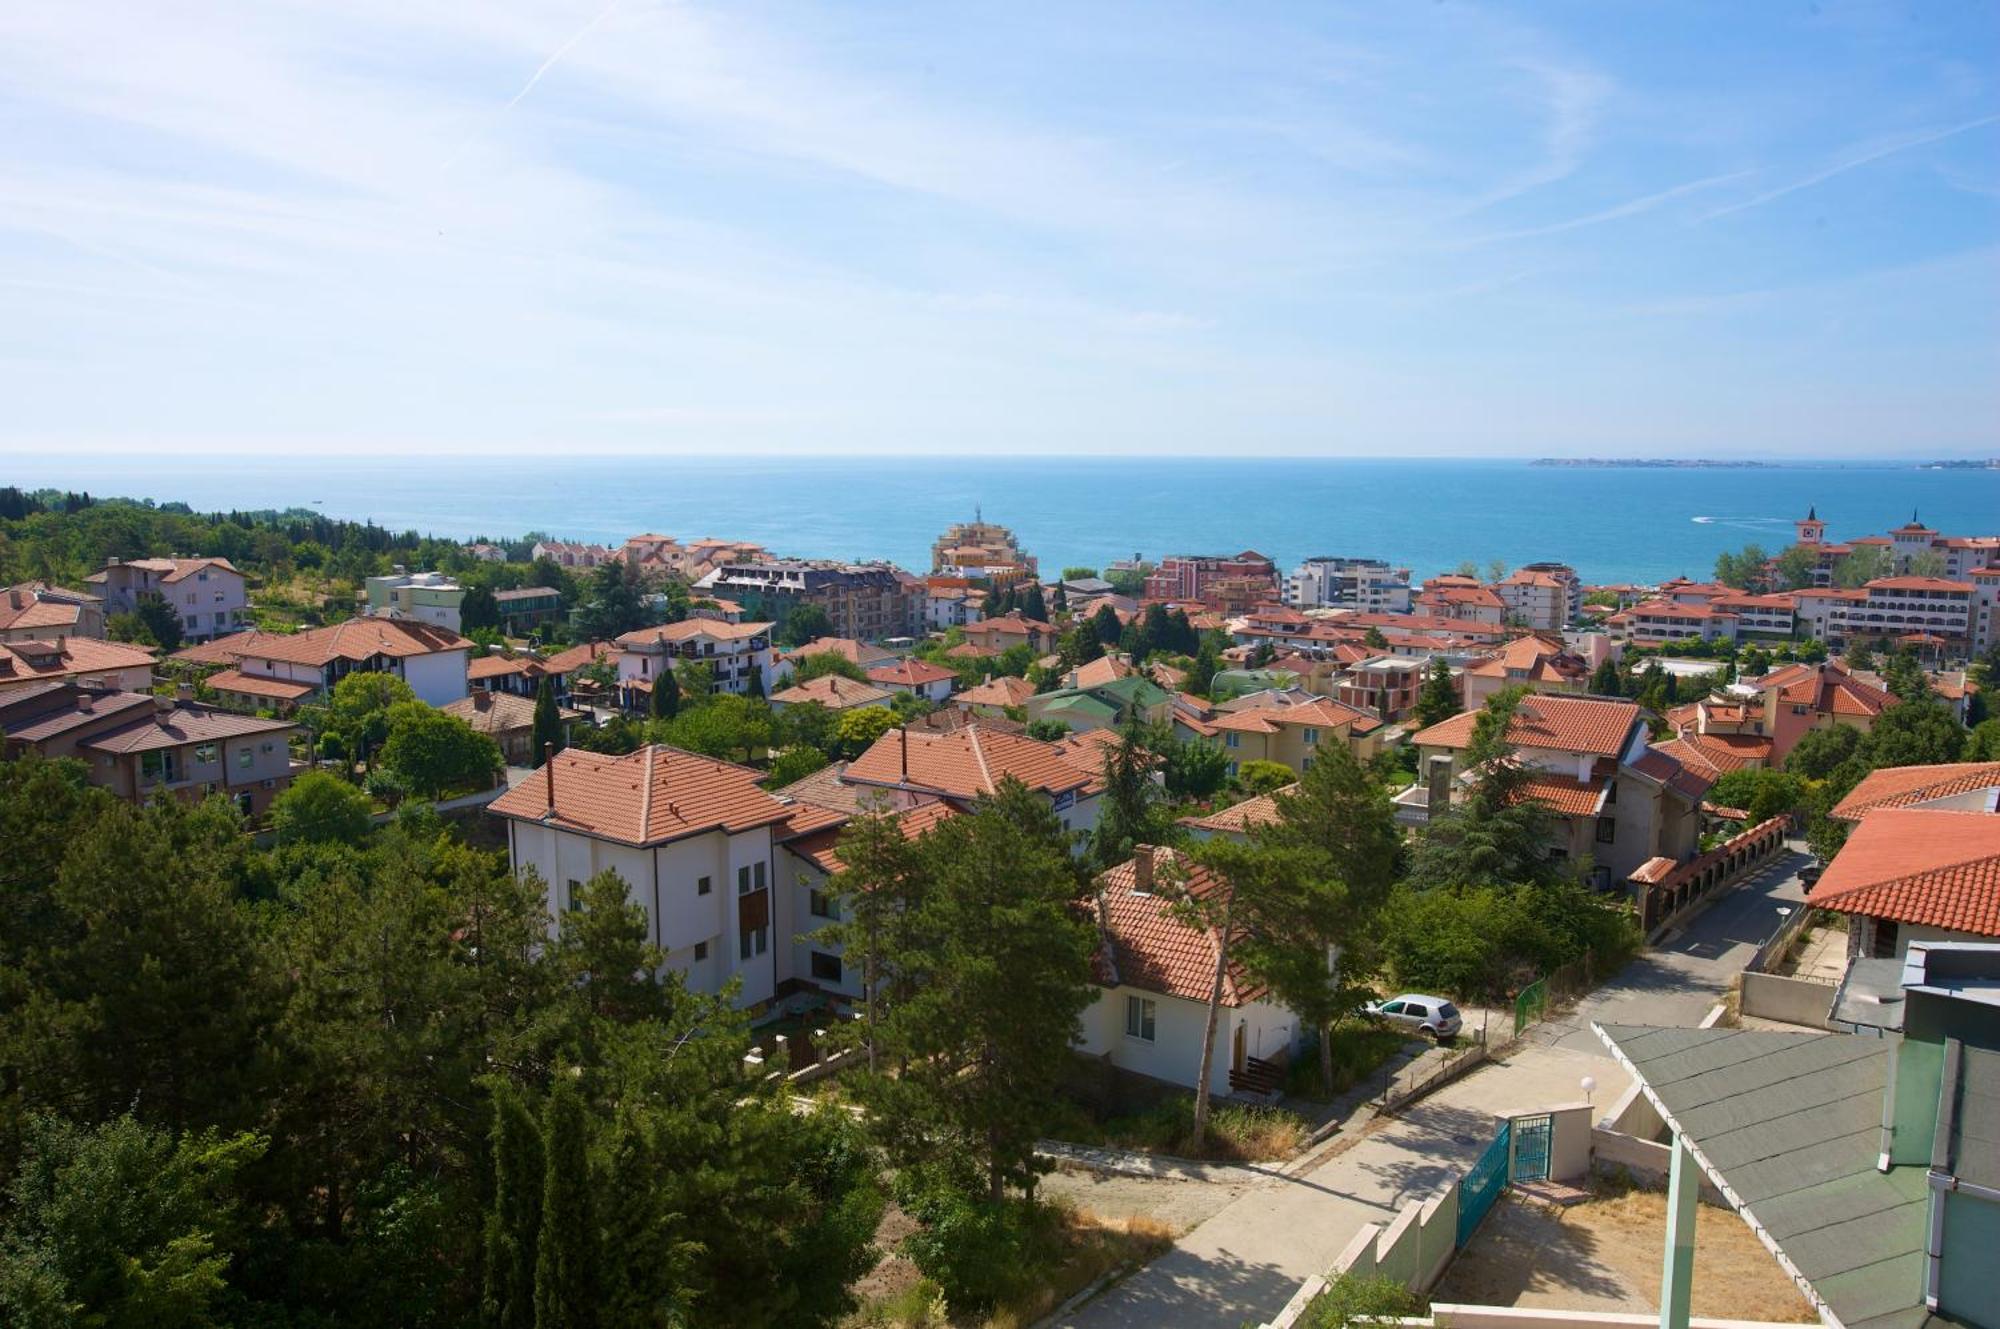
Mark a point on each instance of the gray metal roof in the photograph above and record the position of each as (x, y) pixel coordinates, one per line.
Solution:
(1972, 1120)
(1789, 1127)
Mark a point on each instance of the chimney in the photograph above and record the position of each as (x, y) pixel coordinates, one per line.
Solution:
(184, 695)
(903, 735)
(1142, 869)
(163, 708)
(1438, 785)
(549, 774)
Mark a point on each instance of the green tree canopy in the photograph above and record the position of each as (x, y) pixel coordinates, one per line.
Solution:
(320, 809)
(437, 753)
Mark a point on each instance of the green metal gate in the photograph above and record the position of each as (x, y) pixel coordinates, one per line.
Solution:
(1483, 1185)
(1528, 1007)
(1531, 1148)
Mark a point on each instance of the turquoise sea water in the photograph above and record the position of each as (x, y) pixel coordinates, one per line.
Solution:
(1611, 524)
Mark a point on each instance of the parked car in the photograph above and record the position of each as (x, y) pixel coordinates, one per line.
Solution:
(1433, 1017)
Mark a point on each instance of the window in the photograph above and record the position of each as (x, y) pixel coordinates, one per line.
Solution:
(822, 905)
(743, 880)
(759, 876)
(204, 753)
(574, 887)
(703, 885)
(245, 759)
(1607, 830)
(753, 941)
(1231, 740)
(1140, 1013)
(701, 950)
(1393, 1008)
(825, 968)
(1312, 737)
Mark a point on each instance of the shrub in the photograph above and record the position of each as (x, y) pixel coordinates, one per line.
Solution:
(976, 1251)
(1350, 1300)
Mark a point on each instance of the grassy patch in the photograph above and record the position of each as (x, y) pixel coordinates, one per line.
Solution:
(1073, 1249)
(1237, 1132)
(1349, 1300)
(1359, 1049)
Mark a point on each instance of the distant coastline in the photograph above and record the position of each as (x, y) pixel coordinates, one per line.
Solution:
(1656, 463)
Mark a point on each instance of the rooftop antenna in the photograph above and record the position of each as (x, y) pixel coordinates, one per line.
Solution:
(978, 515)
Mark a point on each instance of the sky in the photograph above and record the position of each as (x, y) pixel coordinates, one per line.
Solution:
(1425, 227)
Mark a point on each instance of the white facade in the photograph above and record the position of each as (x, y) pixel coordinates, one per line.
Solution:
(695, 893)
(1173, 1053)
(209, 597)
(733, 655)
(1368, 585)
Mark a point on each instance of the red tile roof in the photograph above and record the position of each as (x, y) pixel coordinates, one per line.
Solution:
(185, 723)
(23, 609)
(820, 845)
(966, 764)
(1000, 690)
(500, 712)
(1146, 947)
(1543, 720)
(1902, 786)
(833, 691)
(218, 650)
(255, 685)
(911, 673)
(74, 655)
(172, 569)
(1238, 818)
(500, 666)
(648, 797)
(576, 657)
(1827, 689)
(689, 629)
(356, 639)
(1921, 866)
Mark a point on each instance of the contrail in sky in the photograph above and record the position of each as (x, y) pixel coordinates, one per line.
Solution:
(558, 54)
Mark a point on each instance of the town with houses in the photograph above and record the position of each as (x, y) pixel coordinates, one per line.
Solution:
(716, 724)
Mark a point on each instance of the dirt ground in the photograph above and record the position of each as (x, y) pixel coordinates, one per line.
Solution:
(1605, 1255)
(1177, 1203)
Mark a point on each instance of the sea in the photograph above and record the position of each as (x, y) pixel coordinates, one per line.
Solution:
(1613, 524)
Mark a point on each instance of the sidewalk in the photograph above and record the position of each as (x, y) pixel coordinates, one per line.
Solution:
(1242, 1265)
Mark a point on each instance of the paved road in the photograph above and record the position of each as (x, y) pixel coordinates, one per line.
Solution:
(1242, 1265)
(1677, 982)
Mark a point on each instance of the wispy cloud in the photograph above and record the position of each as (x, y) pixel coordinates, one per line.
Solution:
(1856, 158)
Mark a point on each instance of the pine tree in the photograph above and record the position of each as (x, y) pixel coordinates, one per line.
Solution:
(1104, 623)
(547, 734)
(1032, 604)
(1129, 811)
(566, 1294)
(513, 1226)
(1207, 660)
(1604, 680)
(1437, 700)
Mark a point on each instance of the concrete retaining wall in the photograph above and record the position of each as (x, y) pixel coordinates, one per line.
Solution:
(1438, 1242)
(1447, 1316)
(1792, 1000)
(1646, 1161)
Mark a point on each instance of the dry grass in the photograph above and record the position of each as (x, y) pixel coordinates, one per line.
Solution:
(1605, 1255)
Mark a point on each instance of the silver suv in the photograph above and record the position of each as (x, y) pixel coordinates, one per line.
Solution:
(1433, 1017)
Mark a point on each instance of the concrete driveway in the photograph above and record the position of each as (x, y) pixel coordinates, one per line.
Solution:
(1244, 1264)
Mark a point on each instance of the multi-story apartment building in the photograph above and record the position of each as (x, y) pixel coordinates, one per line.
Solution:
(1534, 662)
(738, 654)
(1366, 584)
(137, 745)
(526, 608)
(1772, 615)
(1957, 557)
(1386, 686)
(1189, 577)
(864, 601)
(1542, 596)
(1985, 608)
(207, 593)
(86, 660)
(282, 669)
(428, 597)
(1656, 621)
(565, 554)
(981, 549)
(37, 611)
(1291, 733)
(1906, 606)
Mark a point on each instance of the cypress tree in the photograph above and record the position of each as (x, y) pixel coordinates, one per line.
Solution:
(547, 733)
(513, 1228)
(566, 1293)
(1032, 604)
(666, 699)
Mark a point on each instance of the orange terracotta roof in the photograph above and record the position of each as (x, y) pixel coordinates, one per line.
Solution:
(256, 685)
(576, 657)
(1238, 818)
(500, 666)
(1319, 713)
(500, 712)
(1146, 947)
(172, 569)
(183, 724)
(1712, 755)
(1919, 584)
(1902, 786)
(219, 650)
(820, 845)
(1827, 689)
(688, 629)
(356, 639)
(833, 691)
(1921, 866)
(648, 797)
(1104, 669)
(846, 648)
(911, 673)
(23, 608)
(1000, 690)
(1566, 796)
(73, 655)
(1544, 720)
(966, 764)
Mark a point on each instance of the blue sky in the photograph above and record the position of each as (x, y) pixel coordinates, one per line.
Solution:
(1399, 228)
